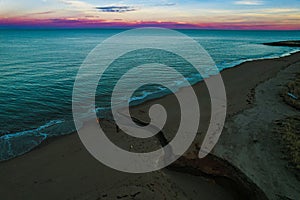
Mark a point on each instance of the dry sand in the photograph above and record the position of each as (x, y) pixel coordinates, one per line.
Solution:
(63, 169)
(249, 143)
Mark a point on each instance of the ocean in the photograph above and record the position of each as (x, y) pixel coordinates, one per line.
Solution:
(38, 69)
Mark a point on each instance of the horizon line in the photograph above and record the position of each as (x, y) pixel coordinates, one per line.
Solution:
(132, 27)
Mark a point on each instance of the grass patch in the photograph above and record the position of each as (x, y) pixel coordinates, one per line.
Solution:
(289, 132)
(292, 87)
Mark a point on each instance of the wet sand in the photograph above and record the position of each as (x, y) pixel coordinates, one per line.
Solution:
(63, 169)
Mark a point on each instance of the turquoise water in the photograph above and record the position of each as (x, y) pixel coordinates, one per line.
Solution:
(38, 69)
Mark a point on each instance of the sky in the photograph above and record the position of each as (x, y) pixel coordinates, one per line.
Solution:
(202, 14)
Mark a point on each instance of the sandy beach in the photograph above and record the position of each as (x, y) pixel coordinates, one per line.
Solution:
(246, 163)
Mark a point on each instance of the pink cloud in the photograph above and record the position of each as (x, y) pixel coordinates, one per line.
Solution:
(86, 23)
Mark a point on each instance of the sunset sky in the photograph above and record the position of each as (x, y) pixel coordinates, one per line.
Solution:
(211, 14)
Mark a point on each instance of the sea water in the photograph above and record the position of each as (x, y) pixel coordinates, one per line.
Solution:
(38, 69)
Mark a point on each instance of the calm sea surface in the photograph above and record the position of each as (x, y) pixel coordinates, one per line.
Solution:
(38, 69)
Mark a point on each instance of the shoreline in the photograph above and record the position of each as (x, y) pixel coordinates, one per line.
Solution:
(225, 69)
(64, 161)
(139, 102)
(150, 99)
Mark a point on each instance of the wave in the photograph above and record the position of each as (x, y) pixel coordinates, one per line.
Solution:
(15, 144)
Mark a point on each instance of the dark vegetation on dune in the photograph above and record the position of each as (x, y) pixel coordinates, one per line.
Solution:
(288, 129)
(292, 88)
(294, 43)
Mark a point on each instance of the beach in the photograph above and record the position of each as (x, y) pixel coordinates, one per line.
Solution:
(247, 155)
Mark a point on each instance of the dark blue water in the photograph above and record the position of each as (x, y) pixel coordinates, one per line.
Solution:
(38, 69)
